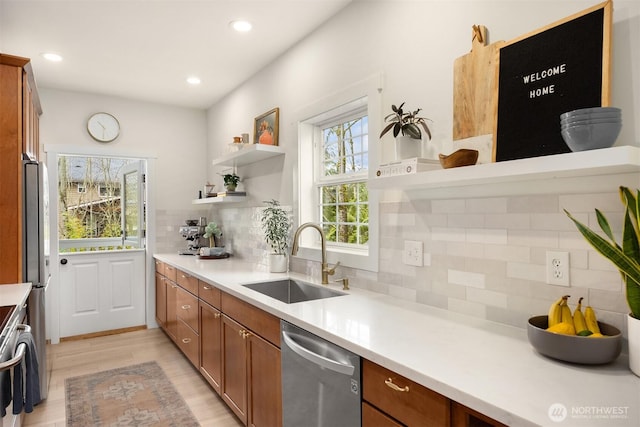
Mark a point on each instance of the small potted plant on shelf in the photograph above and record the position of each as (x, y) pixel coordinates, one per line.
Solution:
(408, 129)
(230, 181)
(626, 258)
(276, 226)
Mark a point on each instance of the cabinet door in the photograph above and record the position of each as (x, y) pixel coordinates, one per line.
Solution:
(161, 300)
(265, 383)
(461, 416)
(371, 417)
(234, 367)
(172, 302)
(211, 345)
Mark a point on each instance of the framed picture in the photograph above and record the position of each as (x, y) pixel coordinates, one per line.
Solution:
(265, 128)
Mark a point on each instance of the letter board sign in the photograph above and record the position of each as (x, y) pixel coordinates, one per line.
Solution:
(559, 68)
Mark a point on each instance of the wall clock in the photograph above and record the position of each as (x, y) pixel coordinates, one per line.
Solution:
(103, 127)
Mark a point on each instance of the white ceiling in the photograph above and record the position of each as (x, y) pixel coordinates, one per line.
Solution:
(145, 49)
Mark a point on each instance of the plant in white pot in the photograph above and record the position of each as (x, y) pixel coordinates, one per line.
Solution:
(408, 130)
(626, 257)
(276, 226)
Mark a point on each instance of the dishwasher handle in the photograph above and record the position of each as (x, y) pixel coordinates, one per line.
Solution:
(309, 355)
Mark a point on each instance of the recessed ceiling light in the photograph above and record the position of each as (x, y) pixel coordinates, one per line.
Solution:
(53, 57)
(193, 80)
(241, 26)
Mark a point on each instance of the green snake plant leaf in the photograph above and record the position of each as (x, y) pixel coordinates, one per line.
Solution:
(626, 259)
(604, 225)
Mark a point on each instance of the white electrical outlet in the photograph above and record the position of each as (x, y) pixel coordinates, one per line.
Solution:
(558, 268)
(412, 254)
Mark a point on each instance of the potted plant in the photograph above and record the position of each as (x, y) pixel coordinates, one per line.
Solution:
(626, 257)
(212, 232)
(276, 226)
(408, 129)
(230, 181)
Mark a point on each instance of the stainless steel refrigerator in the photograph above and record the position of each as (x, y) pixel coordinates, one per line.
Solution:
(35, 259)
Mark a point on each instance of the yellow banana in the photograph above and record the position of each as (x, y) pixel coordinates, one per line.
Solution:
(578, 318)
(555, 312)
(566, 324)
(567, 318)
(591, 320)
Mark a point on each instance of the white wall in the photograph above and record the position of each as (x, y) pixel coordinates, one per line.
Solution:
(485, 256)
(175, 136)
(414, 44)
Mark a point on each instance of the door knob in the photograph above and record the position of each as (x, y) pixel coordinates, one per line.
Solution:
(63, 261)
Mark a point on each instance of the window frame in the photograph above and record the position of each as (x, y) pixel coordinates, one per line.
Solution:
(363, 96)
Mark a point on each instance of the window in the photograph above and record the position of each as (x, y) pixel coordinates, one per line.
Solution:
(334, 165)
(90, 217)
(342, 158)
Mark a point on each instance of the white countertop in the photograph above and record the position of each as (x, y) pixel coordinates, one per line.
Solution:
(14, 294)
(484, 365)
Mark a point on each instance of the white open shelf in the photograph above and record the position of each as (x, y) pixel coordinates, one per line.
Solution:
(225, 199)
(585, 171)
(247, 154)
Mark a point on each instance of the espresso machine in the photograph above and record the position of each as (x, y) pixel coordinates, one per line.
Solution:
(193, 232)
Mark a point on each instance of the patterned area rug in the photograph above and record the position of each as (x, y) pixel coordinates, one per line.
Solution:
(137, 395)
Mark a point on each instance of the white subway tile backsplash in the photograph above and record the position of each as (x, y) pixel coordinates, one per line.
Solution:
(467, 307)
(448, 234)
(531, 238)
(488, 205)
(483, 257)
(487, 297)
(512, 221)
(486, 235)
(466, 278)
(448, 206)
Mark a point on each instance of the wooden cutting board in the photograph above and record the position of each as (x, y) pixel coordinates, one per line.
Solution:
(475, 80)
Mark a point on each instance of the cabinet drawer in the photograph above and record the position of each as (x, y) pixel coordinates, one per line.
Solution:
(408, 402)
(170, 272)
(187, 281)
(160, 267)
(188, 342)
(187, 308)
(209, 293)
(371, 417)
(259, 321)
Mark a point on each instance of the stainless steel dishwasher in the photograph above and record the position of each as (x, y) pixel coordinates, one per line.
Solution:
(320, 381)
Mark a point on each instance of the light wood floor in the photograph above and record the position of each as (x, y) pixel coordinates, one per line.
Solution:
(86, 356)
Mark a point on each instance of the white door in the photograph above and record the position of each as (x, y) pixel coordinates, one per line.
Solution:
(101, 291)
(105, 289)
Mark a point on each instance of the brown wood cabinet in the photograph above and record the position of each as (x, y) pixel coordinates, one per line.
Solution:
(234, 367)
(161, 299)
(391, 400)
(235, 345)
(211, 344)
(251, 380)
(402, 399)
(188, 329)
(19, 123)
(461, 416)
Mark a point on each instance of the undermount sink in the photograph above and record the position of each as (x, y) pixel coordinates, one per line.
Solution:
(291, 291)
